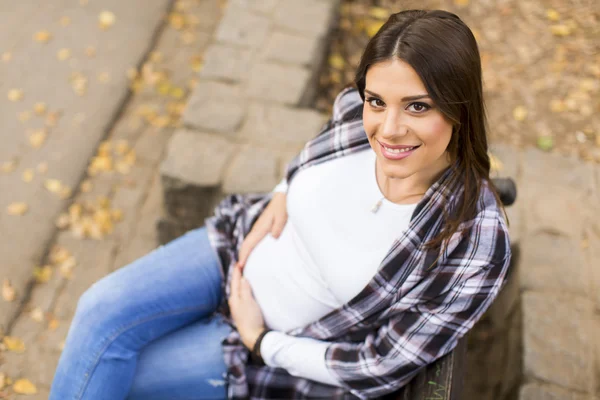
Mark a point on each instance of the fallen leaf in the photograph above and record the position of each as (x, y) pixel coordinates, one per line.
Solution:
(65, 21)
(461, 3)
(3, 380)
(519, 113)
(40, 108)
(557, 106)
(117, 215)
(552, 15)
(37, 314)
(372, 27)
(37, 138)
(42, 167)
(53, 324)
(106, 19)
(63, 54)
(495, 163)
(6, 56)
(155, 56)
(86, 186)
(104, 77)
(90, 51)
(65, 192)
(545, 143)
(14, 344)
(8, 291)
(53, 185)
(42, 36)
(15, 95)
(28, 175)
(17, 209)
(177, 92)
(8, 166)
(176, 20)
(63, 221)
(379, 12)
(24, 386)
(560, 30)
(42, 274)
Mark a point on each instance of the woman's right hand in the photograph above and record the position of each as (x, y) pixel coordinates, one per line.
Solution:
(272, 220)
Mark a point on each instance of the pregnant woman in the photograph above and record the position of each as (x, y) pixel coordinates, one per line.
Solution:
(380, 249)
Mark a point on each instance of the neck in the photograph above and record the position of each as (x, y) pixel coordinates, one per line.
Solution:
(411, 189)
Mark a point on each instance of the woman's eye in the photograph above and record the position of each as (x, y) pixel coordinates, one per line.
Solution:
(375, 105)
(420, 107)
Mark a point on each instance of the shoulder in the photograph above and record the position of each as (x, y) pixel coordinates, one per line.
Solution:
(347, 105)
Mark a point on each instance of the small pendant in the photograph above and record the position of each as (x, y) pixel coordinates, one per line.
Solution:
(376, 206)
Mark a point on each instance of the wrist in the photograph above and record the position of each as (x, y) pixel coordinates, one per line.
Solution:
(250, 337)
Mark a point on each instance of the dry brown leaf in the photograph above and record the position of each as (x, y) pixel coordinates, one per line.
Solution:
(561, 30)
(42, 36)
(28, 175)
(37, 314)
(53, 185)
(519, 113)
(53, 324)
(24, 386)
(177, 21)
(58, 254)
(103, 202)
(15, 95)
(66, 268)
(17, 208)
(106, 19)
(79, 83)
(37, 138)
(8, 291)
(42, 274)
(14, 344)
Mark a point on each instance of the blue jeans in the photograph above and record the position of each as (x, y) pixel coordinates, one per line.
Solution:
(149, 330)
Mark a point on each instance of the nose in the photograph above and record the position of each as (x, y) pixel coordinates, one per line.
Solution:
(394, 124)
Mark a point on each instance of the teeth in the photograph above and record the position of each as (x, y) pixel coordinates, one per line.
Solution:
(397, 151)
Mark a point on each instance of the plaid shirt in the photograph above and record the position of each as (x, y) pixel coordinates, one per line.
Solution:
(408, 315)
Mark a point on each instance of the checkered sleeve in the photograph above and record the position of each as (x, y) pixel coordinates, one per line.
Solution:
(451, 299)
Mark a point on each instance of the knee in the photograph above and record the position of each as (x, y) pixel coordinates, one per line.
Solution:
(97, 303)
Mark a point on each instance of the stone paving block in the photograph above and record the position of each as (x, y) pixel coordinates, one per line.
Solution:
(539, 391)
(279, 83)
(226, 62)
(192, 171)
(291, 48)
(253, 170)
(554, 169)
(215, 106)
(243, 28)
(592, 254)
(151, 145)
(551, 262)
(263, 6)
(558, 339)
(275, 125)
(552, 208)
(310, 17)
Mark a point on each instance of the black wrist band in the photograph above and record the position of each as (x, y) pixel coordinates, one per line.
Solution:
(255, 354)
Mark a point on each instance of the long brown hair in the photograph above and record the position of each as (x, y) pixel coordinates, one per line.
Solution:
(442, 50)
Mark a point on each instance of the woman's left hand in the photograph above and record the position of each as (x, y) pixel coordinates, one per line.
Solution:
(245, 311)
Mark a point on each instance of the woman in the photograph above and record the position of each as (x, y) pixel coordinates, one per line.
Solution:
(395, 245)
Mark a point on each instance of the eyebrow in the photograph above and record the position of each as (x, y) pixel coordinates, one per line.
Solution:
(407, 98)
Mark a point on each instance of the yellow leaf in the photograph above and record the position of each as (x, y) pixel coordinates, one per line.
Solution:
(461, 3)
(42, 36)
(59, 254)
(177, 21)
(372, 27)
(122, 147)
(8, 166)
(8, 291)
(379, 12)
(63, 54)
(66, 268)
(495, 163)
(14, 344)
(557, 106)
(177, 92)
(15, 95)
(106, 19)
(37, 314)
(86, 186)
(520, 113)
(65, 21)
(560, 30)
(42, 274)
(117, 215)
(28, 175)
(40, 108)
(3, 380)
(63, 221)
(336, 61)
(24, 386)
(53, 324)
(156, 56)
(53, 185)
(17, 209)
(103, 202)
(552, 15)
(37, 138)
(65, 192)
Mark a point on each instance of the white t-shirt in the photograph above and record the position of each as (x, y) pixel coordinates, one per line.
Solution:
(330, 248)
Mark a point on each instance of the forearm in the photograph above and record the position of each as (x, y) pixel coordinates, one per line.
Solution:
(302, 357)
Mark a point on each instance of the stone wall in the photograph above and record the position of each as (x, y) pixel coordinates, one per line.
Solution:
(250, 112)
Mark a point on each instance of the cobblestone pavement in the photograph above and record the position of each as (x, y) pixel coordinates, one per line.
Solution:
(109, 217)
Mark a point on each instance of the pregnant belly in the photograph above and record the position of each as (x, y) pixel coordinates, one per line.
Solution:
(287, 287)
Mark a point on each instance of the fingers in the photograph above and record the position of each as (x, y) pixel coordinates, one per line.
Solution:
(278, 227)
(257, 233)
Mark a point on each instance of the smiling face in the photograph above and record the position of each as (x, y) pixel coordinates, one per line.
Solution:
(399, 114)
